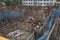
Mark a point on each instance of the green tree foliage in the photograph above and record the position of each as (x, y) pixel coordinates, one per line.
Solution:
(21, 1)
(14, 2)
(9, 2)
(58, 0)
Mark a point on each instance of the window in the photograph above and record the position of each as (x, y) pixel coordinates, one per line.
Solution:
(38, 3)
(44, 0)
(31, 3)
(44, 3)
(47, 0)
(51, 0)
(24, 0)
(51, 3)
(41, 0)
(29, 0)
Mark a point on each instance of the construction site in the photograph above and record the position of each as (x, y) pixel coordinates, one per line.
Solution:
(29, 22)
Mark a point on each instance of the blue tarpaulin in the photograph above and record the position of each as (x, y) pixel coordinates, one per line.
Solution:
(54, 13)
(10, 15)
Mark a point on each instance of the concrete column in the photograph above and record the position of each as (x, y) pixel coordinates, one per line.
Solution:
(49, 1)
(42, 2)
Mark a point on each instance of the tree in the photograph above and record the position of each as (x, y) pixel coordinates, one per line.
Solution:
(20, 1)
(58, 0)
(9, 2)
(14, 2)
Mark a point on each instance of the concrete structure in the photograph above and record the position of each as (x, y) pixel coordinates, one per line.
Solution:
(38, 2)
(58, 2)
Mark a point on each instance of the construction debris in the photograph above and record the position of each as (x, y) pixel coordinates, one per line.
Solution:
(23, 28)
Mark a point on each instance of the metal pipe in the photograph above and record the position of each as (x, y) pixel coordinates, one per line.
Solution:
(49, 35)
(30, 36)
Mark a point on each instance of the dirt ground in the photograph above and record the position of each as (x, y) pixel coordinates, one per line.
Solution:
(32, 17)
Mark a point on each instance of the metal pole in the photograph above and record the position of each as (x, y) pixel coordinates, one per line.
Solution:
(49, 35)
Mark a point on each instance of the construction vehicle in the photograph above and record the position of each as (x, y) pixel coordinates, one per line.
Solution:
(4, 38)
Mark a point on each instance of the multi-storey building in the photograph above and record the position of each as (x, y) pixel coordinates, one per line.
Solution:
(39, 2)
(58, 2)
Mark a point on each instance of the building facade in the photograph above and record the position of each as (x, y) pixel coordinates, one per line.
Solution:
(58, 2)
(38, 2)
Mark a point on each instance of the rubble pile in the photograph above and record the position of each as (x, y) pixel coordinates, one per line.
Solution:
(32, 16)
